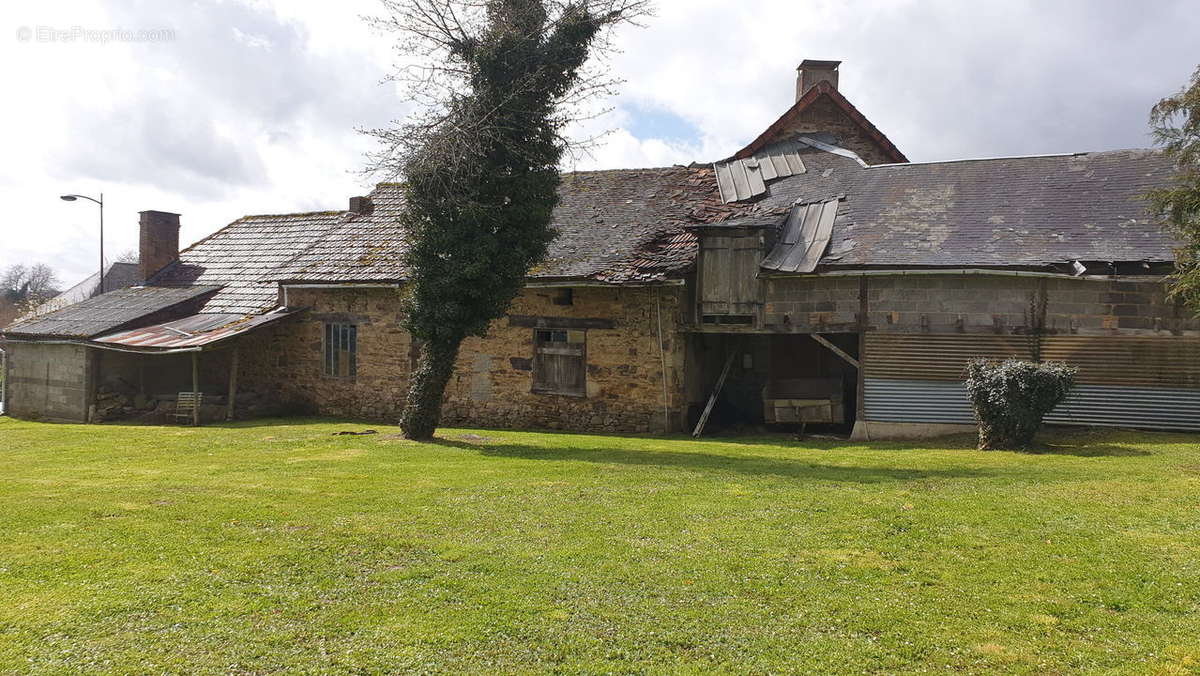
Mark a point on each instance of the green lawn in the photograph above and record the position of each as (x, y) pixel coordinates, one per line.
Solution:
(276, 547)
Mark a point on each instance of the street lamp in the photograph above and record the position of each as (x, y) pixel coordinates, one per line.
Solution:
(72, 198)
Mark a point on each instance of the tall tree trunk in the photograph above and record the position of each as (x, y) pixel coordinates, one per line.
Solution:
(423, 410)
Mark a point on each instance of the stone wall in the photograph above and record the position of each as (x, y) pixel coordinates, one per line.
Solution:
(284, 363)
(824, 115)
(492, 383)
(976, 304)
(48, 382)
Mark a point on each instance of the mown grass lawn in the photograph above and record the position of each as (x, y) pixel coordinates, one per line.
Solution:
(276, 547)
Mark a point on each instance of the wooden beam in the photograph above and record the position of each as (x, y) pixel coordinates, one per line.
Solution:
(835, 349)
(233, 374)
(196, 388)
(712, 399)
(534, 322)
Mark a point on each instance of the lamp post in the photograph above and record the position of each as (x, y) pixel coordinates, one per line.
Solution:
(72, 198)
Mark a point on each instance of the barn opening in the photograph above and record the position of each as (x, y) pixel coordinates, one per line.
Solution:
(782, 383)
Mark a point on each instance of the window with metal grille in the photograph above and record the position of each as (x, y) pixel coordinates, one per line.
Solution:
(560, 362)
(341, 350)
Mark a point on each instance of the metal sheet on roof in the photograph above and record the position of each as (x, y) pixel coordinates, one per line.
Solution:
(196, 331)
(746, 178)
(804, 238)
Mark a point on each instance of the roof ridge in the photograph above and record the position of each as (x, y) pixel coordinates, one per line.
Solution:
(1018, 157)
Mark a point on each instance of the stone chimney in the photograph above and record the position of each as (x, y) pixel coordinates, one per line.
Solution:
(810, 72)
(158, 243)
(361, 205)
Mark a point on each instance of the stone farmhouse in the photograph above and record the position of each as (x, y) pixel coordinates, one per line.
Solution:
(814, 277)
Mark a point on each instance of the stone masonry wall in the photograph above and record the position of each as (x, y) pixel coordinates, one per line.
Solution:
(492, 383)
(824, 115)
(285, 363)
(491, 386)
(976, 304)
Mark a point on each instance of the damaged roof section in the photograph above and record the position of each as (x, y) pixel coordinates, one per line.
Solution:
(630, 226)
(803, 237)
(1026, 212)
(615, 226)
(190, 333)
(113, 311)
(745, 178)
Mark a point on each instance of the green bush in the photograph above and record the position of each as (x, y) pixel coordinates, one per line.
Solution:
(1011, 397)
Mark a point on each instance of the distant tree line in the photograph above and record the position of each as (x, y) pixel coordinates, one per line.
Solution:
(24, 286)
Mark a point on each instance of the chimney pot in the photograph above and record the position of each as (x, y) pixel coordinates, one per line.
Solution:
(361, 205)
(812, 71)
(158, 242)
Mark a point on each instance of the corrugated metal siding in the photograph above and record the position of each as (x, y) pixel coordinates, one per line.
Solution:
(943, 402)
(1150, 407)
(931, 356)
(1171, 361)
(928, 401)
(1123, 381)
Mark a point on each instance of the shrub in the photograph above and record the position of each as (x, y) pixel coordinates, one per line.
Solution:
(1010, 398)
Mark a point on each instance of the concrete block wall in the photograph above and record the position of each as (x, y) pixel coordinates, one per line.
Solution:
(815, 304)
(976, 304)
(48, 382)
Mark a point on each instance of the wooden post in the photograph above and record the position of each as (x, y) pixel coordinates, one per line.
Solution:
(233, 373)
(863, 325)
(196, 388)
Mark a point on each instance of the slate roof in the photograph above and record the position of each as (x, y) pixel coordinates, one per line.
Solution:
(240, 256)
(1011, 212)
(629, 225)
(621, 226)
(355, 248)
(635, 226)
(117, 276)
(110, 311)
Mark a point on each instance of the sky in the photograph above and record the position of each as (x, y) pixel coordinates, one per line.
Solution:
(219, 109)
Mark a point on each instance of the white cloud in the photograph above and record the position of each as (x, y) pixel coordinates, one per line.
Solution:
(252, 107)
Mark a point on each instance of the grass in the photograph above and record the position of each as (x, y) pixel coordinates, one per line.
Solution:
(277, 547)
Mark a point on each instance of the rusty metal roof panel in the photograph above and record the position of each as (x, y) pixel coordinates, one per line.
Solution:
(196, 331)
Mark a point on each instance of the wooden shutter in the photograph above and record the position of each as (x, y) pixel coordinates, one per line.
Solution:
(559, 362)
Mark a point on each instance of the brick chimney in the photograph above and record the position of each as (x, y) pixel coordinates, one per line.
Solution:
(361, 205)
(810, 72)
(158, 243)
